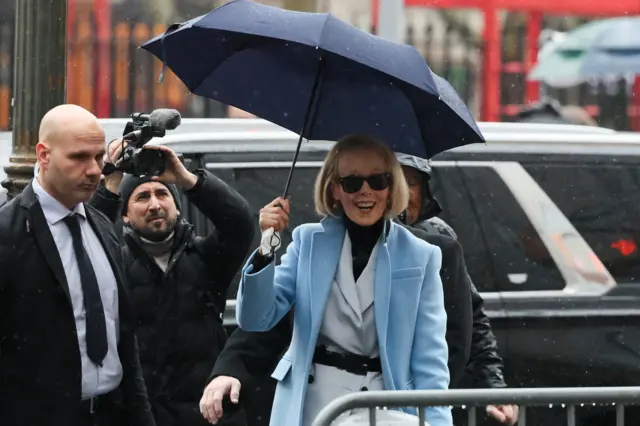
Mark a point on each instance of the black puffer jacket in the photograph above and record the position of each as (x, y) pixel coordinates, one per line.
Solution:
(485, 365)
(180, 310)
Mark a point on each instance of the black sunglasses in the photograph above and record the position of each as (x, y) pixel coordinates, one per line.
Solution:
(377, 182)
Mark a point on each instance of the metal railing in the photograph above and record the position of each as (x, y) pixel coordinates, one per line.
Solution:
(568, 398)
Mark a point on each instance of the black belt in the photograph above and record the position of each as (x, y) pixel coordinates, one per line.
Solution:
(354, 364)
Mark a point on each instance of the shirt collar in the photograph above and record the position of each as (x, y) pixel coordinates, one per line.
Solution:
(53, 209)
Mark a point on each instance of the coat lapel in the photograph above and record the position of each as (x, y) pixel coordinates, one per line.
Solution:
(44, 239)
(382, 289)
(324, 256)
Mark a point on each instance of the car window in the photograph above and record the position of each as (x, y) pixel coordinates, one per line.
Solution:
(260, 186)
(503, 252)
(603, 204)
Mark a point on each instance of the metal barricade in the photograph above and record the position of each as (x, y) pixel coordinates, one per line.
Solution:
(472, 398)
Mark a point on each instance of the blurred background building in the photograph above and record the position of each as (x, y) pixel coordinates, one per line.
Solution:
(485, 59)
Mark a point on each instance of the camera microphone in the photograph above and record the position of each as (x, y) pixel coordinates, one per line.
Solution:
(139, 131)
(161, 118)
(165, 119)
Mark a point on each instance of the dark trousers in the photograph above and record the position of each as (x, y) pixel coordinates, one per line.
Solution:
(174, 413)
(104, 410)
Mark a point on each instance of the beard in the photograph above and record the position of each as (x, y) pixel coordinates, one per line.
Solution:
(159, 234)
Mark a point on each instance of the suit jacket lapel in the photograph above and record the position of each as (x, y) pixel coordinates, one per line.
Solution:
(365, 284)
(324, 256)
(111, 248)
(44, 239)
(345, 278)
(106, 240)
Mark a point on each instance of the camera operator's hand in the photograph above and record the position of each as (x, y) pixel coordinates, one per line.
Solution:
(114, 151)
(175, 172)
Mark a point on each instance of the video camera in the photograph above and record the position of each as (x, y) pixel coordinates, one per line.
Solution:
(141, 129)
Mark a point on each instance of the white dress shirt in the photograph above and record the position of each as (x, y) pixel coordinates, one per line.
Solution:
(95, 380)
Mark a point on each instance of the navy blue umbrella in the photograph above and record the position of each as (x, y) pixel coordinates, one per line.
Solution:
(454, 102)
(315, 75)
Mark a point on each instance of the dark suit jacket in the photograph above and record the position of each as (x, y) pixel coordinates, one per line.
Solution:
(40, 365)
(249, 356)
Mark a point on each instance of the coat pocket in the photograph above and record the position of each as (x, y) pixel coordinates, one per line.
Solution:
(401, 274)
(282, 369)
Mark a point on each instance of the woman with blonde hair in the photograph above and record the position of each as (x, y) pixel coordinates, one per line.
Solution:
(369, 310)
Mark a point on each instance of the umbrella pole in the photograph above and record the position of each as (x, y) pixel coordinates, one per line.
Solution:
(308, 120)
(306, 127)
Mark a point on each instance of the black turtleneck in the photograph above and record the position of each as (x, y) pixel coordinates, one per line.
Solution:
(363, 239)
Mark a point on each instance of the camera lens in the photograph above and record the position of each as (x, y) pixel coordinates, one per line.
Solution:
(150, 162)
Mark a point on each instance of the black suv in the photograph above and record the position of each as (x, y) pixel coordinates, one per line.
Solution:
(549, 218)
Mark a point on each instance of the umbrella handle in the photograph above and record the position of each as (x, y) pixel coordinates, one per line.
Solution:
(269, 241)
(274, 238)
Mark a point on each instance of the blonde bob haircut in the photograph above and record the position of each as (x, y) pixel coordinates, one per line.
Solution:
(326, 205)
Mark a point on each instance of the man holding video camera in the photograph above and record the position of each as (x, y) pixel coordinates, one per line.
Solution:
(178, 281)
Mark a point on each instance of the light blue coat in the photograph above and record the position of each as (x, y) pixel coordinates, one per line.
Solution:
(408, 302)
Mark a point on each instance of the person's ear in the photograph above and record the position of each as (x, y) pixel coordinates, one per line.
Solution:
(126, 219)
(43, 155)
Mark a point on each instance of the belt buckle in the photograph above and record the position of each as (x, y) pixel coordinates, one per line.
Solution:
(361, 369)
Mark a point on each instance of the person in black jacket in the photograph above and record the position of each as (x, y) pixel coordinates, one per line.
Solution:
(68, 351)
(485, 366)
(178, 280)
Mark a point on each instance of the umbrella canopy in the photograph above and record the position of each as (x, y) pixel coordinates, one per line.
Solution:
(609, 46)
(316, 75)
(454, 102)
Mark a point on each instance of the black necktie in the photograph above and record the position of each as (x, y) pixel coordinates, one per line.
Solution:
(96, 336)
